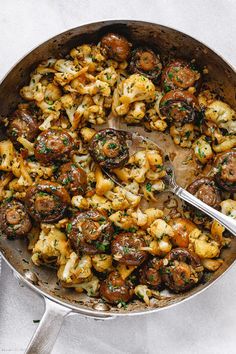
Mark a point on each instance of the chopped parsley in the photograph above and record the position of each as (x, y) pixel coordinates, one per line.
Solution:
(69, 227)
(149, 187)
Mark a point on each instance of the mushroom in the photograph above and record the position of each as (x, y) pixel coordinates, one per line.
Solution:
(109, 149)
(53, 145)
(47, 201)
(206, 190)
(225, 165)
(179, 106)
(114, 289)
(146, 62)
(22, 123)
(180, 75)
(73, 178)
(181, 270)
(116, 46)
(125, 249)
(90, 232)
(14, 219)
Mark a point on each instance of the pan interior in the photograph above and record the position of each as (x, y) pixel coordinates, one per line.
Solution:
(169, 42)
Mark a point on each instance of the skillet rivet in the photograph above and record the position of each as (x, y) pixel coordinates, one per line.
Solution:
(101, 307)
(32, 277)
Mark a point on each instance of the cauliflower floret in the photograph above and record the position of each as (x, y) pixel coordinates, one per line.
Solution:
(122, 199)
(122, 220)
(220, 113)
(80, 202)
(75, 270)
(102, 262)
(228, 207)
(92, 88)
(146, 218)
(88, 55)
(7, 154)
(183, 135)
(67, 71)
(141, 166)
(204, 246)
(103, 185)
(118, 199)
(52, 246)
(80, 110)
(136, 112)
(35, 90)
(137, 88)
(87, 134)
(91, 286)
(212, 264)
(149, 189)
(225, 143)
(143, 293)
(36, 169)
(205, 98)
(160, 228)
(100, 203)
(205, 249)
(202, 149)
(109, 75)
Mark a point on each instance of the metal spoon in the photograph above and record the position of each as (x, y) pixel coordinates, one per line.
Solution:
(137, 142)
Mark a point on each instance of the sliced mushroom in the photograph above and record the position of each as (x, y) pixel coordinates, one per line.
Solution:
(179, 106)
(225, 166)
(109, 149)
(206, 190)
(115, 289)
(14, 219)
(181, 270)
(47, 201)
(180, 75)
(90, 232)
(126, 249)
(23, 123)
(53, 145)
(73, 178)
(116, 46)
(146, 62)
(150, 273)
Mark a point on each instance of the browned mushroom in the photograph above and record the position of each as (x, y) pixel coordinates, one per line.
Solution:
(90, 232)
(180, 75)
(116, 46)
(146, 62)
(14, 219)
(53, 145)
(181, 228)
(23, 123)
(179, 106)
(73, 178)
(205, 189)
(47, 201)
(109, 149)
(126, 249)
(181, 270)
(225, 166)
(114, 289)
(150, 273)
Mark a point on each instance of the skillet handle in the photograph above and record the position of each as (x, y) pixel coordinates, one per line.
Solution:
(46, 334)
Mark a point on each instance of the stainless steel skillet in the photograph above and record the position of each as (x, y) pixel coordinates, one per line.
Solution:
(60, 302)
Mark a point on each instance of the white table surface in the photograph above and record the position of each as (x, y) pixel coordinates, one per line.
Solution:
(205, 324)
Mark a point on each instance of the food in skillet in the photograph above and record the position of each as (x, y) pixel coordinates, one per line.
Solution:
(101, 236)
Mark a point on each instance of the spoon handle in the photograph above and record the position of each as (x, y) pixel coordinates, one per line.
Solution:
(228, 222)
